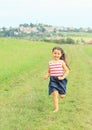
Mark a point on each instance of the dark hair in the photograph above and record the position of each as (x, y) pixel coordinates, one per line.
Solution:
(63, 57)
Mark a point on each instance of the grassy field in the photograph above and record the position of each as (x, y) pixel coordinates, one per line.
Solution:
(24, 100)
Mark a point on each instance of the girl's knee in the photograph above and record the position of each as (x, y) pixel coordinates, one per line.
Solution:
(62, 96)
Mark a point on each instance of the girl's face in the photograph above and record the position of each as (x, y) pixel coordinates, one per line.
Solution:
(56, 54)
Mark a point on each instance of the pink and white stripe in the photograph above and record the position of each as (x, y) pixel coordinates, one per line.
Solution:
(56, 69)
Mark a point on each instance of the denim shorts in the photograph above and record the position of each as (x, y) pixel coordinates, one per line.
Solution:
(57, 85)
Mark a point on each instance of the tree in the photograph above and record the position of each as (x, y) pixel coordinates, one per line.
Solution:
(31, 25)
(70, 41)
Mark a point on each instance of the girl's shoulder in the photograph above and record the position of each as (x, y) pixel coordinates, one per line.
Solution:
(51, 61)
(60, 61)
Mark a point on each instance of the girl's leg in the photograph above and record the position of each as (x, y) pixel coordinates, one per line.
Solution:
(55, 99)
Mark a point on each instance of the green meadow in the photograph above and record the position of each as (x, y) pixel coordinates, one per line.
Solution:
(24, 100)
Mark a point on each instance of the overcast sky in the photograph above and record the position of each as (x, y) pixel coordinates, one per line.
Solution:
(68, 13)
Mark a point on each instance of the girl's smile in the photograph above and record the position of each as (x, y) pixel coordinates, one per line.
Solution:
(56, 54)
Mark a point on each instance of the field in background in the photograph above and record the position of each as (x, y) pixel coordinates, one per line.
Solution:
(24, 100)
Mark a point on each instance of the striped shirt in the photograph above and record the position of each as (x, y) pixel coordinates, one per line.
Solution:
(56, 69)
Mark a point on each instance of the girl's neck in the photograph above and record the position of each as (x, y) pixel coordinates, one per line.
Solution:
(55, 61)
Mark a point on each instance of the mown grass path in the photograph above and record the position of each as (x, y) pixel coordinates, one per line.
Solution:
(24, 100)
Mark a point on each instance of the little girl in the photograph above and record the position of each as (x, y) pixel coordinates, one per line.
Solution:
(58, 70)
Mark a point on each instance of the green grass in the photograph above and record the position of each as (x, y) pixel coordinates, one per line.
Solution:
(24, 100)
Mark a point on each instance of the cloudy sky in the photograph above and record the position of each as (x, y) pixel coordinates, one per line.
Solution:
(68, 13)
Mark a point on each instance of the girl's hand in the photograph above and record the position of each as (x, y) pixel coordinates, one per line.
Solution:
(60, 77)
(46, 76)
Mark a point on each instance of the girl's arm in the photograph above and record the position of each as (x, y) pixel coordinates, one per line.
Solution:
(66, 71)
(47, 74)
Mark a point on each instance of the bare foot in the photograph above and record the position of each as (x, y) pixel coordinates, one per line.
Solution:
(56, 110)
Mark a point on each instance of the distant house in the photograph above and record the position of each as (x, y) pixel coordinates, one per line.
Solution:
(89, 42)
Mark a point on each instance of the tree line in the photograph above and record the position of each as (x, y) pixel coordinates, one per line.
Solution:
(43, 32)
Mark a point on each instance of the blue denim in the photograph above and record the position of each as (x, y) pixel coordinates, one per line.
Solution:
(58, 85)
